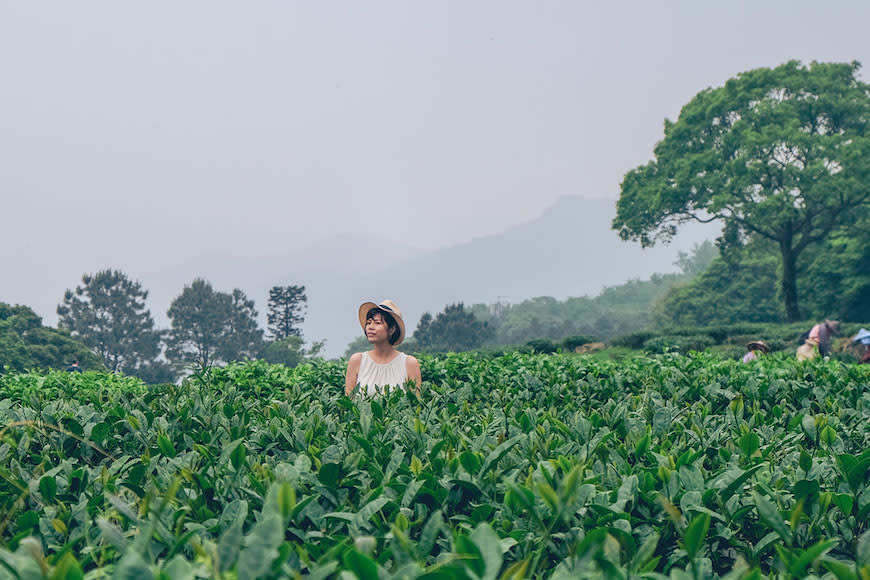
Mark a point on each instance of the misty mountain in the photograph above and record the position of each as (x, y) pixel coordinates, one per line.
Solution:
(324, 263)
(569, 250)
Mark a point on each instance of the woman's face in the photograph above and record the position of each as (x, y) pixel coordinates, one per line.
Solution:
(377, 329)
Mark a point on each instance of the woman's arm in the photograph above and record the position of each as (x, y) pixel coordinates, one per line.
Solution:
(412, 367)
(352, 376)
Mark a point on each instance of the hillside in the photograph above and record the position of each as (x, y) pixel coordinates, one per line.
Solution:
(569, 250)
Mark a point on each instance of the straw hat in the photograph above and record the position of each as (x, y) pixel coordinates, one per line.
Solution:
(757, 345)
(390, 308)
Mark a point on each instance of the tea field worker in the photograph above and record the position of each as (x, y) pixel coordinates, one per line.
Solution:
(822, 332)
(808, 350)
(383, 366)
(863, 337)
(756, 348)
(74, 367)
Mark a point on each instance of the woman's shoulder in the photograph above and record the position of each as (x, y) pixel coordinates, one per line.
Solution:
(356, 358)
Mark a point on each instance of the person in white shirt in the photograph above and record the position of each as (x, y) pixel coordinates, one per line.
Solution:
(383, 366)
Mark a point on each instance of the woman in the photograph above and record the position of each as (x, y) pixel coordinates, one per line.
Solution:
(755, 348)
(382, 366)
(822, 332)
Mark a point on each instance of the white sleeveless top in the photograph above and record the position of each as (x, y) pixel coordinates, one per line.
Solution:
(373, 377)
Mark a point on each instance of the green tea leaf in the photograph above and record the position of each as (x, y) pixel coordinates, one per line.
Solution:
(496, 454)
(730, 489)
(863, 550)
(329, 474)
(68, 568)
(433, 527)
(489, 545)
(177, 568)
(261, 547)
(749, 443)
(695, 534)
(806, 557)
(165, 446)
(363, 566)
(839, 569)
(132, 567)
(48, 488)
(770, 515)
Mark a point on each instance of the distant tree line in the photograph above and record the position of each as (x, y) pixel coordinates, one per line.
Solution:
(780, 157)
(570, 323)
(104, 323)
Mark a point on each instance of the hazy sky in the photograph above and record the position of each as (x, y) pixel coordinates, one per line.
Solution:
(138, 135)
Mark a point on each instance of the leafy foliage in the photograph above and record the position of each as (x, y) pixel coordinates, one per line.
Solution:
(453, 329)
(617, 310)
(208, 327)
(290, 351)
(519, 466)
(778, 154)
(837, 278)
(286, 311)
(26, 344)
(741, 286)
(738, 288)
(361, 344)
(108, 313)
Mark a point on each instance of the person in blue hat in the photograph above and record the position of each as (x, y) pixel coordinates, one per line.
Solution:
(863, 337)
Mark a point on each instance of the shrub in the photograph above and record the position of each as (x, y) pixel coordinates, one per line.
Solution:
(541, 346)
(634, 340)
(683, 344)
(572, 342)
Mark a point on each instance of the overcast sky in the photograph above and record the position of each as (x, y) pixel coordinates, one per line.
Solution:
(136, 135)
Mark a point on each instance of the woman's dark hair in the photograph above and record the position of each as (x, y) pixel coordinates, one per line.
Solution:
(388, 318)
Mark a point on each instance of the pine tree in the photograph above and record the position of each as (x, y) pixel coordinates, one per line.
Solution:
(286, 307)
(108, 314)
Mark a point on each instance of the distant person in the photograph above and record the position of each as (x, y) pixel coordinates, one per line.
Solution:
(808, 350)
(822, 333)
(74, 367)
(755, 348)
(863, 337)
(383, 366)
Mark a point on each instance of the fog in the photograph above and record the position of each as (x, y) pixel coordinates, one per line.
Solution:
(150, 136)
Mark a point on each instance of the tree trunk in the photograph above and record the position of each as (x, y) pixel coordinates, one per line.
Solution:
(789, 283)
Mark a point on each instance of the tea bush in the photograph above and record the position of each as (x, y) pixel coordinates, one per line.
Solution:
(546, 466)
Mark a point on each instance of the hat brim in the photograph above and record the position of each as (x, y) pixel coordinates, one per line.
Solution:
(757, 344)
(364, 310)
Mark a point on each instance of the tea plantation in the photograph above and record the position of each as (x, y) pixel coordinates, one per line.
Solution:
(520, 466)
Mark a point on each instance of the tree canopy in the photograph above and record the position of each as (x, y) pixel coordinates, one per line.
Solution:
(208, 327)
(26, 344)
(107, 312)
(780, 154)
(453, 329)
(286, 311)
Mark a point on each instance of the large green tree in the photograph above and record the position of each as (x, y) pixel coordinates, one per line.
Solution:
(209, 327)
(107, 312)
(781, 154)
(286, 311)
